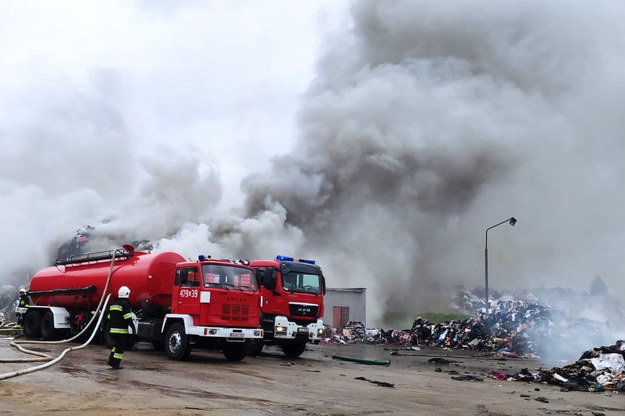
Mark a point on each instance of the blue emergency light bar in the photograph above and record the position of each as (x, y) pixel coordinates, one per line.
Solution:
(286, 258)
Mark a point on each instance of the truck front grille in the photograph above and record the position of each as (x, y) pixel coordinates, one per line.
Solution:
(238, 313)
(303, 310)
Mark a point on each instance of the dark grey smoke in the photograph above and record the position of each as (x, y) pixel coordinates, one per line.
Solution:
(428, 122)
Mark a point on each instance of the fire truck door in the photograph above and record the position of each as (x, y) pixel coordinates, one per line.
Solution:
(187, 291)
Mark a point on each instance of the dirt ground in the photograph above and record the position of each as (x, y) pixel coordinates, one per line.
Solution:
(271, 384)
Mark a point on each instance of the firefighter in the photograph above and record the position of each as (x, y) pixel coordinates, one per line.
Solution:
(120, 318)
(24, 303)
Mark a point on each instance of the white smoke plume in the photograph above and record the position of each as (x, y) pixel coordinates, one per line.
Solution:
(140, 118)
(426, 122)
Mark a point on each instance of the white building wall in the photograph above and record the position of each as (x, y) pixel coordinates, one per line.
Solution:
(353, 298)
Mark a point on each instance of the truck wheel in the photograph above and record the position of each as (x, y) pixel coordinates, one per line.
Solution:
(177, 345)
(48, 331)
(256, 347)
(235, 351)
(131, 340)
(32, 324)
(294, 350)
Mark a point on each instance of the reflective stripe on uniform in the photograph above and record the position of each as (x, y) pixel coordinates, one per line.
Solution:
(128, 315)
(116, 308)
(118, 356)
(118, 331)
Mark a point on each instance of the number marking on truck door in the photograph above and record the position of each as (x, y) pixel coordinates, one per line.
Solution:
(189, 293)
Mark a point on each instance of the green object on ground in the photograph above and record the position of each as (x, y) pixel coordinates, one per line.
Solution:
(361, 360)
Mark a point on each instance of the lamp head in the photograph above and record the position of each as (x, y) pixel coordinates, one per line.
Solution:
(512, 221)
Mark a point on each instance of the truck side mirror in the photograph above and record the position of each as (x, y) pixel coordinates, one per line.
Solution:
(260, 275)
(184, 277)
(269, 279)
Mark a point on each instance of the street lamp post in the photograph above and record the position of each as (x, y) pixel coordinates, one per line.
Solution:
(510, 220)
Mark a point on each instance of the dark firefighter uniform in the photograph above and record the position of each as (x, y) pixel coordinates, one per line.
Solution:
(120, 318)
(22, 306)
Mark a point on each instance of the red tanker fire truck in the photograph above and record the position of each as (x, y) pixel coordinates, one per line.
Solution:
(179, 304)
(292, 303)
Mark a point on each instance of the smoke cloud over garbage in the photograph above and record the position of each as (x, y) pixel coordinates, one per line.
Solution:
(423, 124)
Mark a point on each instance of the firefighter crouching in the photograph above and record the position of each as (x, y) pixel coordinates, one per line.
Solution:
(120, 318)
(22, 306)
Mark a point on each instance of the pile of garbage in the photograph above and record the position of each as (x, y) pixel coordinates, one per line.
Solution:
(511, 329)
(598, 369)
(353, 332)
(9, 296)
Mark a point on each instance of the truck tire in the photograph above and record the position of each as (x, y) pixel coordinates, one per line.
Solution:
(32, 324)
(235, 351)
(256, 347)
(177, 345)
(48, 332)
(131, 340)
(294, 350)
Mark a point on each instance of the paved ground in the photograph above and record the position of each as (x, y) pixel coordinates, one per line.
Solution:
(315, 384)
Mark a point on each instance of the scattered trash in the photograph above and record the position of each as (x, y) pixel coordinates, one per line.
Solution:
(413, 348)
(498, 375)
(403, 354)
(542, 399)
(467, 377)
(598, 369)
(379, 383)
(438, 360)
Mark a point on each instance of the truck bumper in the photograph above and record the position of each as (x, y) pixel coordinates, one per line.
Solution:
(287, 330)
(230, 334)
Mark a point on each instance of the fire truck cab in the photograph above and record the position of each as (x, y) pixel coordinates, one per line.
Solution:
(292, 292)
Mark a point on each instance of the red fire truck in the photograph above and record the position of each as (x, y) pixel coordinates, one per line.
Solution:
(179, 304)
(292, 293)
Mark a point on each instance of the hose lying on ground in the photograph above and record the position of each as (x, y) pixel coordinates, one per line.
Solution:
(57, 359)
(46, 357)
(361, 360)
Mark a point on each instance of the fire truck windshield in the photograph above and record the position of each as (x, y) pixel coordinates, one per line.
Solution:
(229, 277)
(302, 283)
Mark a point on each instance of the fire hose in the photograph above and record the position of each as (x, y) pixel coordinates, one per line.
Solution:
(46, 357)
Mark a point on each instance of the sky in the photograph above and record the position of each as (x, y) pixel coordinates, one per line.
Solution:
(380, 138)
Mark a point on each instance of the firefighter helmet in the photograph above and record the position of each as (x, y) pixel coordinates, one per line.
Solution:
(123, 292)
(23, 290)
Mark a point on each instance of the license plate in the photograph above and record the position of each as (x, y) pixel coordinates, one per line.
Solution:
(236, 335)
(302, 330)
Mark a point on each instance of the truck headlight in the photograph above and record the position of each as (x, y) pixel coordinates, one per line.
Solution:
(281, 329)
(320, 331)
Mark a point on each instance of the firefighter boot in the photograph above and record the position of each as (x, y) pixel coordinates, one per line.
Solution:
(116, 361)
(110, 360)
